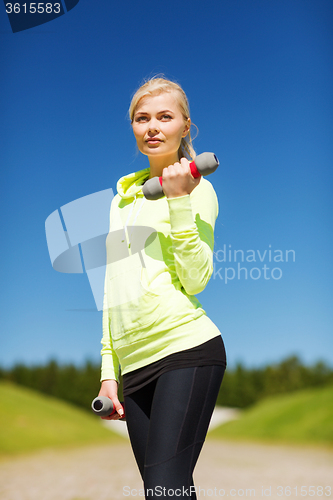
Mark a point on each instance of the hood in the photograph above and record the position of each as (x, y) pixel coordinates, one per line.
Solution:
(130, 185)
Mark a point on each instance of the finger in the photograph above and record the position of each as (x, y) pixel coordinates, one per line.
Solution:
(120, 410)
(185, 164)
(165, 172)
(169, 171)
(116, 414)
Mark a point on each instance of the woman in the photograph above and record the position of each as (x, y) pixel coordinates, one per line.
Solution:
(171, 354)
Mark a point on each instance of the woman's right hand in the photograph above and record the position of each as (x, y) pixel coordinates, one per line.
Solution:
(109, 388)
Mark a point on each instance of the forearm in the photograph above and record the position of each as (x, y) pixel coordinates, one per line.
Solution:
(110, 362)
(192, 244)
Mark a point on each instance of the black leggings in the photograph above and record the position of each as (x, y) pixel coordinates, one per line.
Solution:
(167, 422)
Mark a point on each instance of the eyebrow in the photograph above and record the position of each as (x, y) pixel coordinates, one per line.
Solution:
(159, 112)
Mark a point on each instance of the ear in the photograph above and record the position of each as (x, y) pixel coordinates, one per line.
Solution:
(187, 127)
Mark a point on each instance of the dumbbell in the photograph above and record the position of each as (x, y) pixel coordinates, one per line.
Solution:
(103, 407)
(204, 164)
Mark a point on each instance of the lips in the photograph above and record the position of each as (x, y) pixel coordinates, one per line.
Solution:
(153, 140)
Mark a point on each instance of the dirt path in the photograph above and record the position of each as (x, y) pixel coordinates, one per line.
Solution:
(224, 469)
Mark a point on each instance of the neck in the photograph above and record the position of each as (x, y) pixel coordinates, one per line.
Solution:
(157, 163)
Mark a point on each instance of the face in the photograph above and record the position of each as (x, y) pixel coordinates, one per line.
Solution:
(159, 125)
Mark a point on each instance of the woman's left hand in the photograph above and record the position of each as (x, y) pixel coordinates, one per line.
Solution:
(178, 180)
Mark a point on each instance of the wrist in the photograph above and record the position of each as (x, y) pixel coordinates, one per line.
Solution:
(179, 194)
(109, 381)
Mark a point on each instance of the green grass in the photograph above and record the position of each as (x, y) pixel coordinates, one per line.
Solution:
(30, 421)
(302, 417)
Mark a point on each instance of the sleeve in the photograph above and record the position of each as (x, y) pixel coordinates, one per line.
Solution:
(192, 219)
(110, 362)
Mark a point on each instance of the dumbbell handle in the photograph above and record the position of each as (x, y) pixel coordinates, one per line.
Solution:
(204, 164)
(103, 407)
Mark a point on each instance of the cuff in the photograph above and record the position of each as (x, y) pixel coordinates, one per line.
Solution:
(109, 370)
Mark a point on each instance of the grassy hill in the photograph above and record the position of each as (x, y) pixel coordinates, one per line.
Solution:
(30, 421)
(302, 417)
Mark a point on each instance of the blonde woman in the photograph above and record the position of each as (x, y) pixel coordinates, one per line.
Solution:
(171, 354)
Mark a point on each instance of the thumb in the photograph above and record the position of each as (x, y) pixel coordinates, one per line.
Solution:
(118, 407)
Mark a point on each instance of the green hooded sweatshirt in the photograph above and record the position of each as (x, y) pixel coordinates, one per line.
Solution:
(159, 256)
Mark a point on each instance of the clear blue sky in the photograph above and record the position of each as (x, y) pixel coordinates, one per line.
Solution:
(258, 74)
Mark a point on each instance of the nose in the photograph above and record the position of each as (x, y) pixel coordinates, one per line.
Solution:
(153, 126)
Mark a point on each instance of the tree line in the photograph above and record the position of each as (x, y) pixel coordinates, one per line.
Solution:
(241, 387)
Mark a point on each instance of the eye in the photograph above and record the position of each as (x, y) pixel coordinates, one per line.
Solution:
(140, 118)
(166, 117)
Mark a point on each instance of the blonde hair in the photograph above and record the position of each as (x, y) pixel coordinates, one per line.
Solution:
(155, 86)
